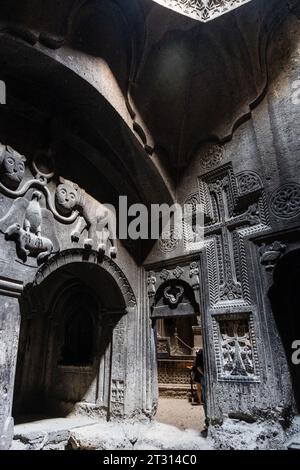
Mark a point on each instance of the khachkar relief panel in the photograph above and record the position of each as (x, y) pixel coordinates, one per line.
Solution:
(235, 208)
(235, 348)
(202, 10)
(37, 206)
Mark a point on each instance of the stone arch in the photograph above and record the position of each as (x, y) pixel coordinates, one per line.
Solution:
(71, 256)
(96, 383)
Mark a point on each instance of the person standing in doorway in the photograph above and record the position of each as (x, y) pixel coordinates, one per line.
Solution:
(198, 370)
(199, 379)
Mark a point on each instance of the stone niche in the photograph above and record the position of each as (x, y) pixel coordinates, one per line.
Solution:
(66, 306)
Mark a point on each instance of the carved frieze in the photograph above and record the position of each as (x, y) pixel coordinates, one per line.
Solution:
(30, 220)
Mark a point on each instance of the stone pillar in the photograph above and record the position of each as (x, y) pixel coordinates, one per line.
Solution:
(9, 337)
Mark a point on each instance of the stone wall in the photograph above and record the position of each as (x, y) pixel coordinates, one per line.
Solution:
(54, 236)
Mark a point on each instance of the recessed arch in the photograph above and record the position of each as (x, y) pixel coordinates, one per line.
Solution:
(73, 330)
(106, 265)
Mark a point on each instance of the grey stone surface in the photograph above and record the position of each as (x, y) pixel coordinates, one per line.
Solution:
(50, 434)
(140, 106)
(238, 435)
(81, 433)
(137, 436)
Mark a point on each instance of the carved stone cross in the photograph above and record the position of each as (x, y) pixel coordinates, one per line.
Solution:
(234, 207)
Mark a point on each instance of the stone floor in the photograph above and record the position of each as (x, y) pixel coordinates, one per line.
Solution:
(180, 413)
(177, 426)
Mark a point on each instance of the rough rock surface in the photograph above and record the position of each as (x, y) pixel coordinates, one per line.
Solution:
(239, 435)
(153, 436)
(47, 434)
(83, 434)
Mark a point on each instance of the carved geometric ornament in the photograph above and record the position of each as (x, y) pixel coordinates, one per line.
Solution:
(212, 157)
(202, 10)
(285, 202)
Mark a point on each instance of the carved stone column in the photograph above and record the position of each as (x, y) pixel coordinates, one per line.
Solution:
(9, 336)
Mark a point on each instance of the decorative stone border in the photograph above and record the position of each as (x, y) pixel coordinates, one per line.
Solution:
(83, 256)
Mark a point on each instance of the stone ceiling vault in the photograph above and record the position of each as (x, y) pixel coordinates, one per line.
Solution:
(202, 10)
(179, 83)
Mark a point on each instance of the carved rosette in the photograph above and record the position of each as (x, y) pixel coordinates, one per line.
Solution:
(212, 157)
(285, 202)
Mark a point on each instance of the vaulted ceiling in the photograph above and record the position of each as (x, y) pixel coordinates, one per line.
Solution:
(177, 82)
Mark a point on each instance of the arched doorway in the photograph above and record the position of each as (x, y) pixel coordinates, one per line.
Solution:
(284, 296)
(72, 348)
(176, 313)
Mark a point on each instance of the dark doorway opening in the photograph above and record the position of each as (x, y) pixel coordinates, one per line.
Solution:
(65, 347)
(285, 300)
(79, 339)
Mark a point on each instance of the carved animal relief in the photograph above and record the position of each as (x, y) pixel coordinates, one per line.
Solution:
(24, 224)
(12, 167)
(93, 217)
(270, 255)
(31, 220)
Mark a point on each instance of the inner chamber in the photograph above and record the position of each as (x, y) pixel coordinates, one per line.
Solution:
(65, 350)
